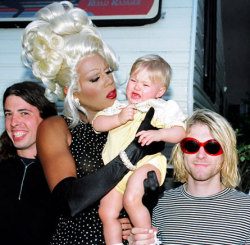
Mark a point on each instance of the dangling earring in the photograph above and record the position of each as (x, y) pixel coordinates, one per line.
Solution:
(77, 102)
(80, 108)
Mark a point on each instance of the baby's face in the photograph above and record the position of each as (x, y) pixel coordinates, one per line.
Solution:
(141, 87)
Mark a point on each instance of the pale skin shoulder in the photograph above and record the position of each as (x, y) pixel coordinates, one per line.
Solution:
(53, 140)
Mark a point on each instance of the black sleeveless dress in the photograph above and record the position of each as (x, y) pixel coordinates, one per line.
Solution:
(86, 227)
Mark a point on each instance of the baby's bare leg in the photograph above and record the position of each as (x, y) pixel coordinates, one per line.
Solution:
(132, 200)
(109, 211)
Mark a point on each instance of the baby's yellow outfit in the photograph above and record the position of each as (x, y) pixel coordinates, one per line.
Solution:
(167, 114)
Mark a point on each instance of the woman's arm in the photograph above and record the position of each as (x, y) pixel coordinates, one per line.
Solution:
(72, 194)
(53, 140)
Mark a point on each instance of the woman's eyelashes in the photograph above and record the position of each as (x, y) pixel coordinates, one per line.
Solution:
(95, 79)
(109, 71)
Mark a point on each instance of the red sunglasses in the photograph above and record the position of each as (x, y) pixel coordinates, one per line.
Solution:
(191, 146)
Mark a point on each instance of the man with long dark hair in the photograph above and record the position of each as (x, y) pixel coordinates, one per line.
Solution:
(26, 209)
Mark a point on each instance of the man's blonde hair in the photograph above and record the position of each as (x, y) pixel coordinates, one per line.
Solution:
(222, 131)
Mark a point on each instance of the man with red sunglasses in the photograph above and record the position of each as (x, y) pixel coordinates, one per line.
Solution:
(206, 209)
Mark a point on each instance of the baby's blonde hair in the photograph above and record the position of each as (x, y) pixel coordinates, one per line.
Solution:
(54, 44)
(158, 68)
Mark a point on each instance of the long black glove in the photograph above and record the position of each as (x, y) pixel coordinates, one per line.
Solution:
(152, 191)
(74, 195)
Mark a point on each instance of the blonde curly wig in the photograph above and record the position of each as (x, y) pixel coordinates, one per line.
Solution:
(53, 45)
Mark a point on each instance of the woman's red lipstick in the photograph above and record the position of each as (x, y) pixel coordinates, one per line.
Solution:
(111, 94)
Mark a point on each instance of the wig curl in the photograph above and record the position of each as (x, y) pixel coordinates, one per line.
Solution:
(54, 44)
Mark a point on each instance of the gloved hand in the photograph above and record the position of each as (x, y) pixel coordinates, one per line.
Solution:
(135, 151)
(152, 191)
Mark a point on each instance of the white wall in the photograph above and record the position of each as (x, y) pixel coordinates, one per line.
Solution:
(170, 37)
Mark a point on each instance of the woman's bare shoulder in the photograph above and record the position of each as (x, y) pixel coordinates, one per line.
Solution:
(54, 120)
(53, 123)
(54, 126)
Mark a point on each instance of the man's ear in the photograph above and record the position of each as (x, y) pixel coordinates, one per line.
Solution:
(161, 92)
(65, 90)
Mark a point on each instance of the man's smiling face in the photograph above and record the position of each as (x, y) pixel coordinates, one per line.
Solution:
(21, 122)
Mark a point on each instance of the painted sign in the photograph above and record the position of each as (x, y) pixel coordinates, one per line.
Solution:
(102, 12)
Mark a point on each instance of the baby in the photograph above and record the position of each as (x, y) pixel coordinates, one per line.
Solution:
(149, 80)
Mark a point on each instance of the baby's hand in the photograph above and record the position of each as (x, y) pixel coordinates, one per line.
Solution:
(126, 114)
(149, 136)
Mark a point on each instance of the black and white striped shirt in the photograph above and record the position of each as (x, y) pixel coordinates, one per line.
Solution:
(223, 218)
